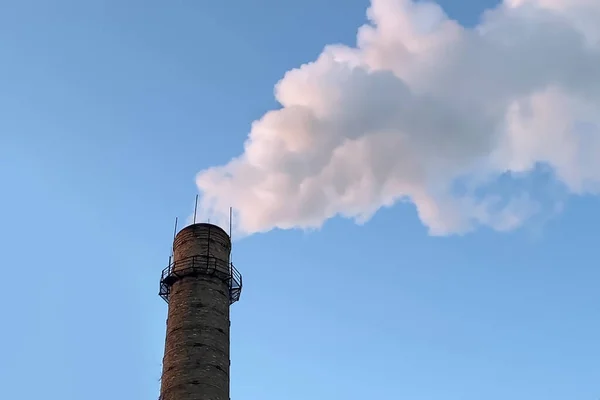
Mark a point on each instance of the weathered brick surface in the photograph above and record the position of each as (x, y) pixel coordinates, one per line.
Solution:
(196, 360)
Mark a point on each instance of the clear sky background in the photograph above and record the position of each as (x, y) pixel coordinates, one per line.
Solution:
(108, 109)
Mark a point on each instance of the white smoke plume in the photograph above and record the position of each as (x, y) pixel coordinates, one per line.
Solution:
(427, 111)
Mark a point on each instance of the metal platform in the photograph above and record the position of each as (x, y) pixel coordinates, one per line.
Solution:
(197, 266)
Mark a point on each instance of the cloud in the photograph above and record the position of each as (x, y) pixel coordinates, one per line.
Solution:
(419, 105)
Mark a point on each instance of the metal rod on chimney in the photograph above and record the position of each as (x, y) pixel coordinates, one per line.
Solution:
(195, 208)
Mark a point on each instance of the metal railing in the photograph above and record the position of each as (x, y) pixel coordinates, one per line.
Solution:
(201, 265)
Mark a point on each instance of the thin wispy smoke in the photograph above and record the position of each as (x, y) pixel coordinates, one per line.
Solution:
(427, 111)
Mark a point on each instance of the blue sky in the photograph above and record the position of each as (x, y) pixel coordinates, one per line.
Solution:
(109, 109)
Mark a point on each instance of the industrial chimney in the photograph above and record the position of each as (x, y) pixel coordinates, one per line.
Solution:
(199, 285)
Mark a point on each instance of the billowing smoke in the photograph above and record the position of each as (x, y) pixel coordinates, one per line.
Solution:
(426, 111)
